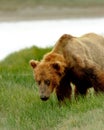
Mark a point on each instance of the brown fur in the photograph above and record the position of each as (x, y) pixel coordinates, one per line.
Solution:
(77, 60)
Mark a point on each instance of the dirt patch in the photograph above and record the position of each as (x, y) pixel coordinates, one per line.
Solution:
(42, 13)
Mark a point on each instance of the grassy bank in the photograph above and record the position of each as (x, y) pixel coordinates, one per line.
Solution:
(21, 108)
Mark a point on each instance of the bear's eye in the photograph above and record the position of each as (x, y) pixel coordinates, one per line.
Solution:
(47, 82)
(39, 82)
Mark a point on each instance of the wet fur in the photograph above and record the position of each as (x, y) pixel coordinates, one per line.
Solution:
(82, 63)
(85, 60)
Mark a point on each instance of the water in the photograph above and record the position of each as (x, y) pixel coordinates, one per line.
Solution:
(18, 35)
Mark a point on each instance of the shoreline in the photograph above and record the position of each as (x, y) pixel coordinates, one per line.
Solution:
(51, 13)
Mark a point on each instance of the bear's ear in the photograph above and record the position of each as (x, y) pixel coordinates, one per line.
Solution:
(56, 66)
(33, 63)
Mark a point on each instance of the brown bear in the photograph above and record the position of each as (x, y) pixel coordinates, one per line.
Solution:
(76, 60)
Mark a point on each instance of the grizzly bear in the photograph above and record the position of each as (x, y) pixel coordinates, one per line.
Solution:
(76, 60)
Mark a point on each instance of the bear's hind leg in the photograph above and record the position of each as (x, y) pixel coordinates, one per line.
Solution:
(98, 84)
(80, 91)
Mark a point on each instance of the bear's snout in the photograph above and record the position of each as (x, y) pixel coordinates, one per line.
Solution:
(44, 98)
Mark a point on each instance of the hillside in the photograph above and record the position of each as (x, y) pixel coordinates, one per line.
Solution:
(18, 4)
(15, 10)
(19, 61)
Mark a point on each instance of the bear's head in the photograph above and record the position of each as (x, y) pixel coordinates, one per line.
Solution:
(48, 73)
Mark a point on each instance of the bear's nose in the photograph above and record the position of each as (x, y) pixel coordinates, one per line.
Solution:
(44, 98)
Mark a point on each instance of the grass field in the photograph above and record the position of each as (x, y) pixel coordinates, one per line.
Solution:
(21, 108)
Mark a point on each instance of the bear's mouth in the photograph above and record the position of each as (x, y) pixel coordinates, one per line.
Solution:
(44, 98)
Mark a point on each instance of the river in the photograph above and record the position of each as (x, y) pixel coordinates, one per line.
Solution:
(18, 35)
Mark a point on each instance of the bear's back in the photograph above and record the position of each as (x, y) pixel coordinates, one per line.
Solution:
(95, 46)
(89, 46)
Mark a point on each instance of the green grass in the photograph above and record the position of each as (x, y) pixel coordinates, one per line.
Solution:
(22, 109)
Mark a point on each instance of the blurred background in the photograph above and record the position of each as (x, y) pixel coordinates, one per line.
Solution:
(24, 23)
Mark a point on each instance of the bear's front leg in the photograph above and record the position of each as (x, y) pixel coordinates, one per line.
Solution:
(64, 90)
